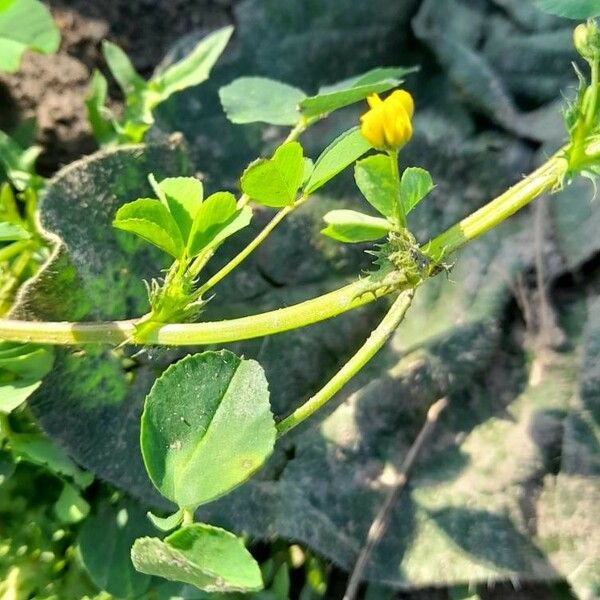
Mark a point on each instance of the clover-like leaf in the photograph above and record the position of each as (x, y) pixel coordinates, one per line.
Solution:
(343, 151)
(210, 558)
(375, 178)
(194, 68)
(25, 25)
(275, 182)
(217, 219)
(353, 226)
(151, 220)
(352, 90)
(415, 184)
(183, 198)
(258, 99)
(207, 426)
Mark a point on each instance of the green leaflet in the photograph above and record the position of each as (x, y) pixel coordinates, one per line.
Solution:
(10, 232)
(275, 181)
(415, 184)
(375, 179)
(258, 99)
(22, 367)
(207, 426)
(71, 507)
(343, 151)
(207, 557)
(102, 125)
(352, 90)
(152, 221)
(25, 25)
(352, 226)
(129, 80)
(166, 523)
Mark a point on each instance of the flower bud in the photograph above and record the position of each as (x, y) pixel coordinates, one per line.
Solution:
(387, 125)
(586, 38)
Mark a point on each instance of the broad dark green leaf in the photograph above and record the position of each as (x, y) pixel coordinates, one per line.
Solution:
(352, 90)
(258, 99)
(183, 198)
(166, 523)
(207, 557)
(573, 9)
(152, 221)
(129, 80)
(25, 25)
(104, 544)
(194, 68)
(216, 220)
(415, 184)
(375, 178)
(206, 427)
(352, 226)
(71, 507)
(343, 151)
(275, 181)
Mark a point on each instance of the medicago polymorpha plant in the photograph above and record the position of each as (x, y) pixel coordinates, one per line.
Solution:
(207, 424)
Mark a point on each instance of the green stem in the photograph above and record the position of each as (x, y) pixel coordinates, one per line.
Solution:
(5, 428)
(188, 517)
(366, 352)
(239, 258)
(15, 248)
(305, 313)
(591, 107)
(400, 214)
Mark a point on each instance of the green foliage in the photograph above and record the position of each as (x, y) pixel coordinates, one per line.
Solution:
(207, 557)
(415, 184)
(342, 152)
(352, 226)
(25, 25)
(258, 99)
(275, 182)
(10, 232)
(167, 523)
(71, 507)
(22, 368)
(573, 9)
(18, 164)
(353, 90)
(207, 427)
(375, 178)
(143, 97)
(104, 544)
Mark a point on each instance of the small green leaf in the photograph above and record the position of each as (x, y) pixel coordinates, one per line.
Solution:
(207, 427)
(95, 103)
(25, 25)
(194, 68)
(572, 9)
(210, 558)
(17, 162)
(183, 197)
(258, 99)
(352, 90)
(343, 151)
(275, 182)
(151, 220)
(14, 393)
(104, 545)
(216, 213)
(415, 184)
(10, 232)
(123, 71)
(71, 507)
(39, 450)
(7, 466)
(352, 226)
(374, 177)
(166, 523)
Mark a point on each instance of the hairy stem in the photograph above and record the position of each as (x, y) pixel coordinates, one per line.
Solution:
(366, 352)
(547, 177)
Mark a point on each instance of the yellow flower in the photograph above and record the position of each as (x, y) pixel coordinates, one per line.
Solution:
(387, 125)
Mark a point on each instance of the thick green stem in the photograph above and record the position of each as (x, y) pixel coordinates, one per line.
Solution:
(366, 352)
(547, 177)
